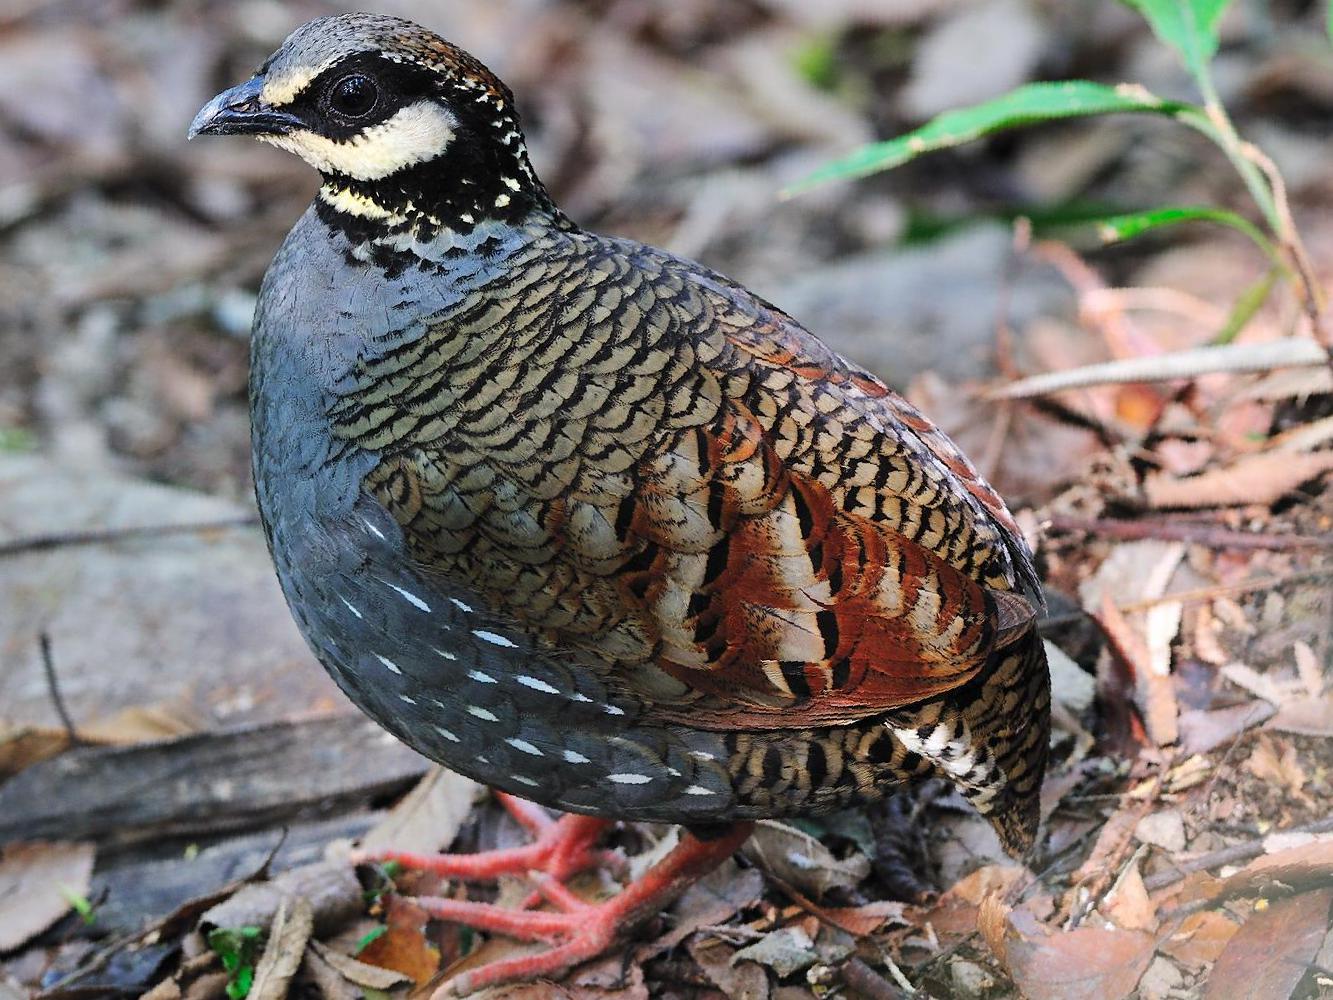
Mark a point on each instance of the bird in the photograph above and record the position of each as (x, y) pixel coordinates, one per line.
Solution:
(595, 525)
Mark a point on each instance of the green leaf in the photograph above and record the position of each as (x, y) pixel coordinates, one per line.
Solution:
(369, 938)
(1029, 104)
(81, 904)
(1246, 306)
(1124, 227)
(1188, 26)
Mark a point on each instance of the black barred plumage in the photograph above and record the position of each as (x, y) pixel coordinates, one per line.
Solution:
(594, 524)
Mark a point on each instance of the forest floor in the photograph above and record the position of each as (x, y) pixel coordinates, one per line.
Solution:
(179, 781)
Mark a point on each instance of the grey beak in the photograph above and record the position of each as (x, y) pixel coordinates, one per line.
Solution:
(241, 111)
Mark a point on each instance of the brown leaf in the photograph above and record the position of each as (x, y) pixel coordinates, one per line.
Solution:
(714, 899)
(1200, 938)
(954, 915)
(1305, 716)
(428, 817)
(1270, 953)
(330, 983)
(738, 980)
(27, 745)
(35, 879)
(287, 938)
(361, 973)
(1302, 867)
(1128, 905)
(1276, 764)
(1087, 963)
(1255, 479)
(1201, 731)
(403, 947)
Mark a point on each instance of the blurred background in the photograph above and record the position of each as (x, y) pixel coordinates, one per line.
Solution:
(130, 261)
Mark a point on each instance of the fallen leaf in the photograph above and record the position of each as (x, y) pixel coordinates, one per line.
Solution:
(1128, 905)
(403, 947)
(801, 860)
(330, 983)
(714, 899)
(738, 980)
(1276, 763)
(428, 817)
(1256, 479)
(1200, 938)
(1087, 963)
(1305, 716)
(38, 883)
(360, 973)
(785, 950)
(1271, 952)
(287, 937)
(1307, 666)
(955, 914)
(1164, 829)
(1201, 731)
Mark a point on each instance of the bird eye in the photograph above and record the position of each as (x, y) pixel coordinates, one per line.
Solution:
(354, 95)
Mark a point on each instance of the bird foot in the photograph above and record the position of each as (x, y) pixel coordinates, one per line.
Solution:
(575, 930)
(560, 849)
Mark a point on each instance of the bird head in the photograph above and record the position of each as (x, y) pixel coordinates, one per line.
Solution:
(401, 124)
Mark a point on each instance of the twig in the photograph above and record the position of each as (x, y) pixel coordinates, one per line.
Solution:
(1292, 352)
(53, 687)
(1176, 531)
(61, 539)
(862, 979)
(1228, 855)
(1229, 589)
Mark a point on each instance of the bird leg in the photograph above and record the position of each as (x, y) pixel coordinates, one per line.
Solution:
(578, 931)
(559, 849)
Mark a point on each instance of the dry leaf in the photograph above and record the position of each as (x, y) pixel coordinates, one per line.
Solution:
(1271, 952)
(403, 947)
(1200, 938)
(1305, 716)
(714, 899)
(1128, 905)
(1207, 647)
(1256, 479)
(1164, 829)
(1277, 764)
(428, 817)
(1088, 963)
(738, 980)
(287, 938)
(37, 882)
(955, 914)
(1307, 667)
(786, 950)
(801, 860)
(360, 973)
(1202, 731)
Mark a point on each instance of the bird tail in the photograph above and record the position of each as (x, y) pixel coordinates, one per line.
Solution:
(991, 737)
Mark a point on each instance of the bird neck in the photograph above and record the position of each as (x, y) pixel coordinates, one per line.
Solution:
(465, 187)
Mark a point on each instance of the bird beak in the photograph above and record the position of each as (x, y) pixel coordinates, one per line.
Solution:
(242, 111)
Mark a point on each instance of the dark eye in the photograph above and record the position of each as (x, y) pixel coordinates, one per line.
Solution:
(354, 95)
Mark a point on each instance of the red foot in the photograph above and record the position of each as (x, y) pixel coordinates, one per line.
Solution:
(577, 931)
(560, 849)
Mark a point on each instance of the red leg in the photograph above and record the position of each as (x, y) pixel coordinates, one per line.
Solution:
(582, 931)
(562, 848)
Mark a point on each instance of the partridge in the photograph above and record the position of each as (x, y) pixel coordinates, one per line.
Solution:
(593, 524)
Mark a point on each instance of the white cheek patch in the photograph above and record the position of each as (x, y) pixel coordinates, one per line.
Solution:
(417, 133)
(280, 90)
